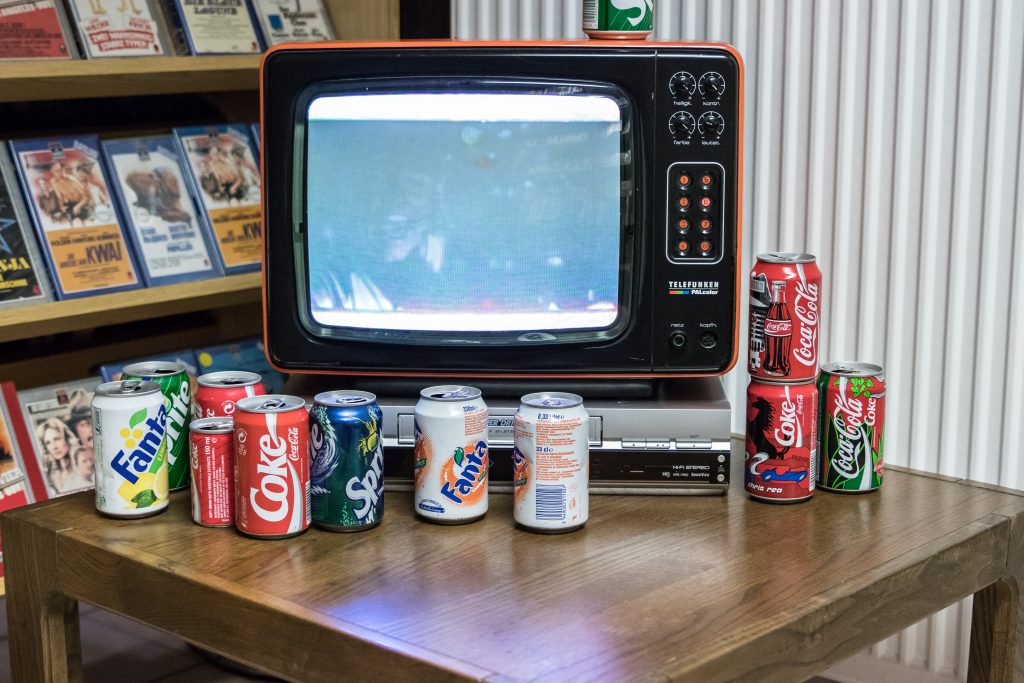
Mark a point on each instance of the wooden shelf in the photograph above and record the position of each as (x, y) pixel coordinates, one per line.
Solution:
(80, 78)
(109, 309)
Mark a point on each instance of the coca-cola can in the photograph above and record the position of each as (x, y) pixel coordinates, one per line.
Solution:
(272, 466)
(782, 441)
(217, 392)
(851, 399)
(212, 459)
(785, 296)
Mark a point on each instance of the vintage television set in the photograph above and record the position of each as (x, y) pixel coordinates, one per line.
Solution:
(516, 214)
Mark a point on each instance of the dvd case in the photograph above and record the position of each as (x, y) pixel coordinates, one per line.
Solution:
(58, 419)
(12, 469)
(257, 139)
(291, 21)
(172, 244)
(224, 177)
(248, 354)
(120, 28)
(35, 29)
(217, 27)
(68, 193)
(23, 277)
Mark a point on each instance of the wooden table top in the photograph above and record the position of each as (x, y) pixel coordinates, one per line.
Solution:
(697, 588)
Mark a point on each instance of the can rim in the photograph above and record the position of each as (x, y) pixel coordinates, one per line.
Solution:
(270, 403)
(345, 398)
(154, 368)
(451, 392)
(853, 368)
(217, 379)
(786, 257)
(127, 387)
(213, 425)
(552, 399)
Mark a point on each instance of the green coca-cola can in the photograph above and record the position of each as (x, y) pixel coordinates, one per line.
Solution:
(851, 414)
(618, 19)
(176, 386)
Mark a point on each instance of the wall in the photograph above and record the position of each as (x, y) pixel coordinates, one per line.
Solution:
(885, 137)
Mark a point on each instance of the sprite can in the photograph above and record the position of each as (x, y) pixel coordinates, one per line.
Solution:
(346, 461)
(851, 410)
(176, 387)
(618, 19)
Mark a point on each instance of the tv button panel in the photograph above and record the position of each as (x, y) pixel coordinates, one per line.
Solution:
(695, 196)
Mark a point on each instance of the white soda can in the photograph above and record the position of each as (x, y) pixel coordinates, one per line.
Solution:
(129, 420)
(551, 461)
(451, 455)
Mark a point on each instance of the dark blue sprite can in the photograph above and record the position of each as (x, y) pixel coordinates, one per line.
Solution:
(346, 463)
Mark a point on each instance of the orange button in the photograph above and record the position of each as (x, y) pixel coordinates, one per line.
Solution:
(706, 180)
(684, 246)
(684, 202)
(684, 179)
(684, 224)
(705, 246)
(705, 202)
(705, 223)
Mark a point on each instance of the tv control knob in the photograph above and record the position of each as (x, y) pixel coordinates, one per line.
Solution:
(682, 85)
(711, 125)
(682, 125)
(677, 340)
(711, 86)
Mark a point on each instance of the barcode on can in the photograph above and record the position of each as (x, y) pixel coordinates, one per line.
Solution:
(551, 502)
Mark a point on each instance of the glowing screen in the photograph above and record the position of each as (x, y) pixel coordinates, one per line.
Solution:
(464, 211)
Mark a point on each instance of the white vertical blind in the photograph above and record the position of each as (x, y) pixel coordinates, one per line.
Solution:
(884, 136)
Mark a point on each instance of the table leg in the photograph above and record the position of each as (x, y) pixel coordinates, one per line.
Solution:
(42, 624)
(995, 633)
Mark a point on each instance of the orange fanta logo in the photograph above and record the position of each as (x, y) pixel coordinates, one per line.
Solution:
(464, 476)
(421, 458)
(520, 473)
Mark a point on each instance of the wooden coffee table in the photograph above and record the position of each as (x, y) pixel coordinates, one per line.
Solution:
(686, 588)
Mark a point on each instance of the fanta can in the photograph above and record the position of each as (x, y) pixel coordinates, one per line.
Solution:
(451, 460)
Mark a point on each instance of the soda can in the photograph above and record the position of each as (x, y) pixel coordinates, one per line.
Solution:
(452, 461)
(272, 466)
(782, 441)
(217, 392)
(785, 294)
(346, 461)
(129, 421)
(616, 20)
(551, 460)
(212, 458)
(851, 399)
(177, 390)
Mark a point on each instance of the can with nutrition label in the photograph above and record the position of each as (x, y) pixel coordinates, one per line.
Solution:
(212, 459)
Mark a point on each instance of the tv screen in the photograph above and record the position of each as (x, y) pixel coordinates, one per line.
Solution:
(486, 210)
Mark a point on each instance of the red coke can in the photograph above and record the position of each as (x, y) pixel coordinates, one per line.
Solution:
(212, 458)
(785, 296)
(782, 441)
(272, 466)
(217, 392)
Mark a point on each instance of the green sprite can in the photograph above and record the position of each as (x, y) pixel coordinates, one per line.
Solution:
(618, 19)
(176, 386)
(346, 463)
(851, 414)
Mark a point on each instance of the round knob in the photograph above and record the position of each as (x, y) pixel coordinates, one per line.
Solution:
(682, 85)
(711, 125)
(682, 125)
(711, 86)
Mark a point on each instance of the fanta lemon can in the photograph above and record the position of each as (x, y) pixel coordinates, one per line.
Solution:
(129, 420)
(451, 460)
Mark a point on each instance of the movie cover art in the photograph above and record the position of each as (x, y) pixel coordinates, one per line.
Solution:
(34, 30)
(218, 27)
(11, 469)
(119, 28)
(69, 197)
(157, 209)
(292, 21)
(226, 179)
(59, 420)
(22, 276)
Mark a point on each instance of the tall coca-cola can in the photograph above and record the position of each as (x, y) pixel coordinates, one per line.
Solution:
(851, 399)
(785, 298)
(272, 466)
(782, 441)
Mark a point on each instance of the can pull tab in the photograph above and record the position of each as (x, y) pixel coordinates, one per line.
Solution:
(130, 386)
(232, 381)
(273, 404)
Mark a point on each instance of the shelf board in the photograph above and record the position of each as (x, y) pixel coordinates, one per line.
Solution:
(38, 320)
(29, 80)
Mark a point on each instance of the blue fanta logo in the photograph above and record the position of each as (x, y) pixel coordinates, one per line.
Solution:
(135, 463)
(464, 476)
